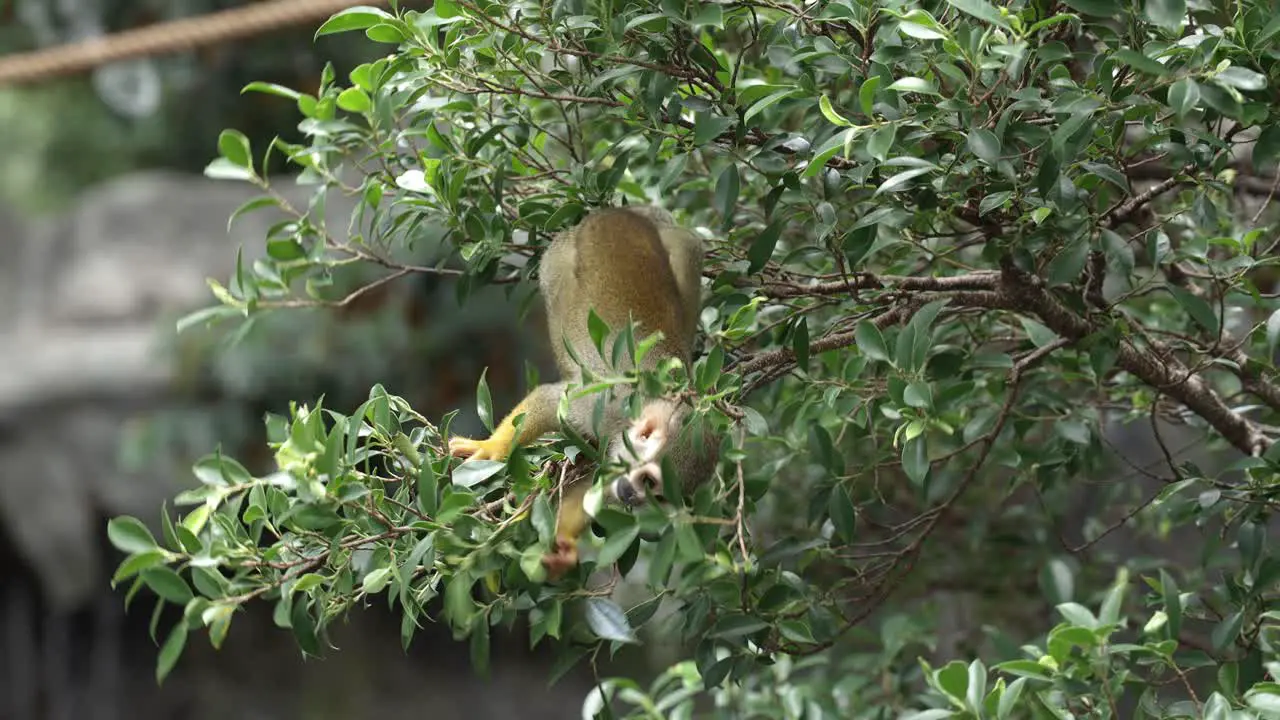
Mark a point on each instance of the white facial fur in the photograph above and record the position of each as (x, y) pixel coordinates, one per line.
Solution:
(647, 437)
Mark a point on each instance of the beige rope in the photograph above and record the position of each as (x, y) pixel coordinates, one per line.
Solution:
(168, 37)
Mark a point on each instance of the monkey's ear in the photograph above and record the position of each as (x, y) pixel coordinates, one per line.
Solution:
(646, 425)
(655, 418)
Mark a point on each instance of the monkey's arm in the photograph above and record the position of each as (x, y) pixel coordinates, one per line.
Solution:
(539, 409)
(571, 521)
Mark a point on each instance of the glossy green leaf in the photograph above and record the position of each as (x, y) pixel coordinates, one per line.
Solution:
(353, 18)
(982, 10)
(608, 621)
(1168, 14)
(985, 145)
(1198, 308)
(129, 535)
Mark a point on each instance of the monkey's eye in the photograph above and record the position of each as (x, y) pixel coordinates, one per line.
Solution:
(647, 478)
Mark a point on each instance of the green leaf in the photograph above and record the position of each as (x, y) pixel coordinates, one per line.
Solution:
(727, 189)
(271, 89)
(980, 9)
(763, 246)
(870, 341)
(224, 169)
(867, 94)
(171, 651)
(1167, 14)
(484, 401)
(137, 563)
(167, 584)
(993, 201)
(825, 152)
(920, 32)
(1108, 173)
(447, 8)
(204, 316)
(354, 18)
(1263, 701)
(1140, 62)
(1077, 614)
(1172, 604)
(915, 459)
(953, 679)
(1198, 308)
(376, 580)
(881, 141)
(129, 535)
(354, 100)
(1111, 605)
(1267, 148)
(768, 101)
(234, 146)
(708, 14)
(608, 621)
(1242, 78)
(828, 112)
(899, 181)
(1009, 699)
(474, 472)
(1269, 31)
(915, 85)
(800, 343)
(840, 509)
(984, 144)
(617, 544)
(708, 127)
(736, 625)
(1184, 94)
(1217, 707)
(1072, 431)
(1067, 265)
(1226, 632)
(1024, 669)
(543, 519)
(1273, 334)
(1220, 100)
(796, 631)
(977, 688)
(428, 488)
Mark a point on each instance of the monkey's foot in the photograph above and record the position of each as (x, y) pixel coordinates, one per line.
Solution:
(475, 449)
(562, 558)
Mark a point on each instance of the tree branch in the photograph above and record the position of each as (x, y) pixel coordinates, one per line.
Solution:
(1017, 291)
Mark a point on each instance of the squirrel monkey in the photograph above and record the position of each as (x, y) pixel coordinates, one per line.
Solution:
(626, 264)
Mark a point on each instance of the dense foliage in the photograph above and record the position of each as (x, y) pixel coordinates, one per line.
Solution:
(966, 262)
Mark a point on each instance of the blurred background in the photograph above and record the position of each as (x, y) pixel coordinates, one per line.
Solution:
(107, 233)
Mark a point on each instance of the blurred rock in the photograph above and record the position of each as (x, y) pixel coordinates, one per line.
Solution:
(89, 296)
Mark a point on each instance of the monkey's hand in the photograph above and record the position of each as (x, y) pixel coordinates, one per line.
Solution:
(562, 558)
(493, 448)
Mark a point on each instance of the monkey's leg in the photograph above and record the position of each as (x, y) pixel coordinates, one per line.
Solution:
(571, 521)
(539, 410)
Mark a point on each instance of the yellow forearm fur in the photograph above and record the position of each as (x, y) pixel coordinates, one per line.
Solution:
(539, 410)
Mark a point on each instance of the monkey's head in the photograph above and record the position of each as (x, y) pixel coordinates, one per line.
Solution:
(660, 432)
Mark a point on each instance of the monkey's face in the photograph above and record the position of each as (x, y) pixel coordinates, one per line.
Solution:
(640, 448)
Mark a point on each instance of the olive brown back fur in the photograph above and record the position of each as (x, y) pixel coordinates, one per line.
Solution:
(632, 262)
